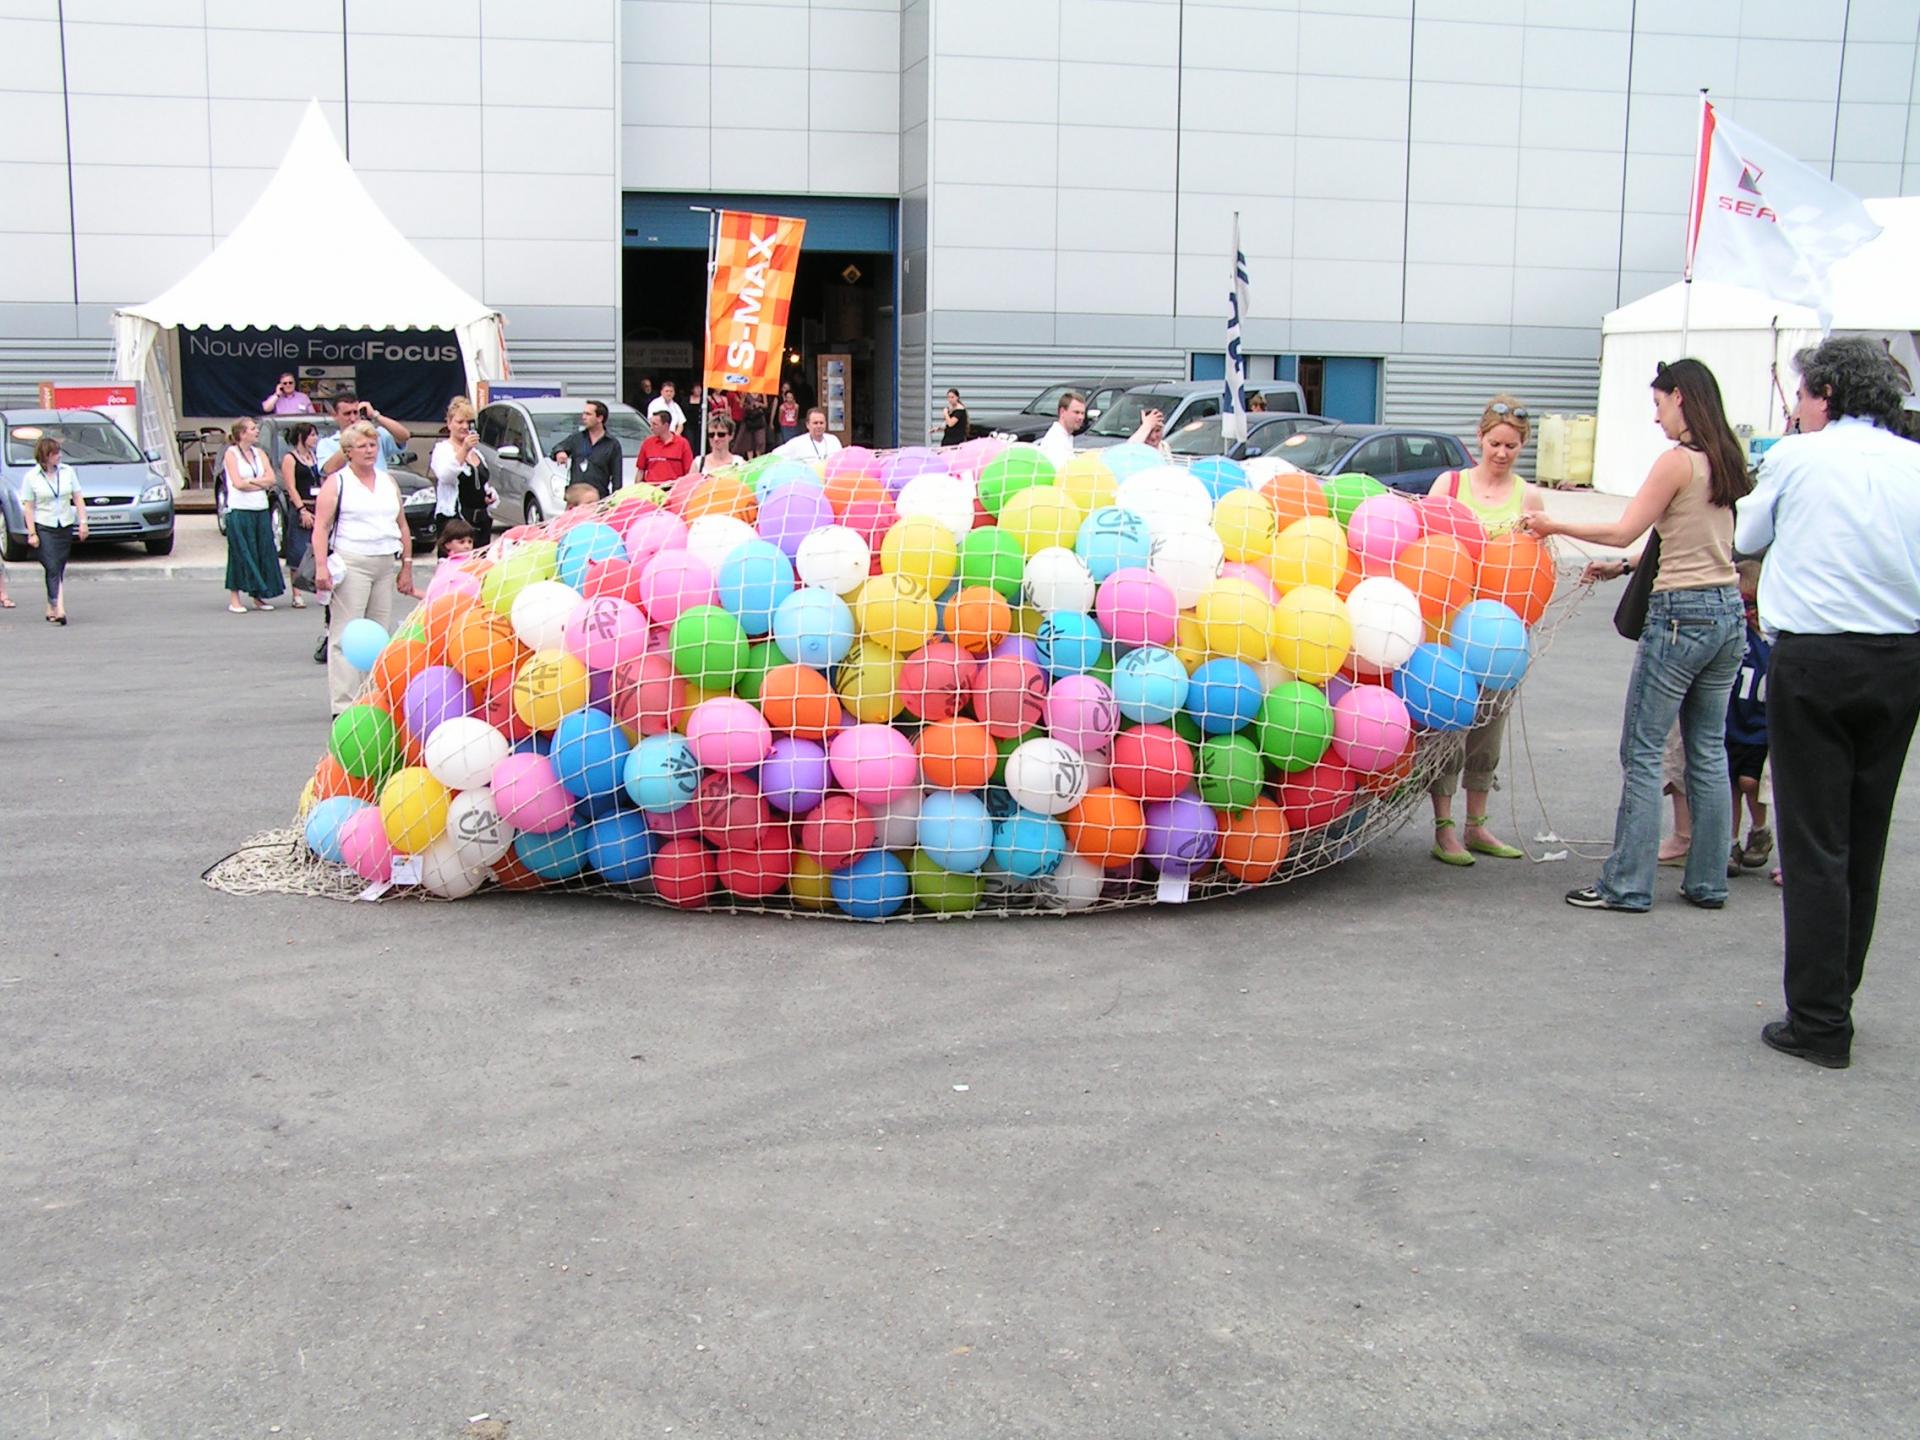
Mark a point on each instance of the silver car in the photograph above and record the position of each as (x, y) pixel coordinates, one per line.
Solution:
(126, 492)
(517, 440)
(1182, 403)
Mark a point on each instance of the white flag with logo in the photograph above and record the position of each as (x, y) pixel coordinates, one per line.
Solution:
(1233, 412)
(1763, 220)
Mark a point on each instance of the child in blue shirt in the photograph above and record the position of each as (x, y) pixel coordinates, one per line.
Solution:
(1747, 734)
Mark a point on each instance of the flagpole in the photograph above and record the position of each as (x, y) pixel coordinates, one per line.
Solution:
(1695, 205)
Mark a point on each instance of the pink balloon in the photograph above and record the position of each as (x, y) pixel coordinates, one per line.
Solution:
(675, 824)
(1137, 607)
(605, 632)
(874, 764)
(1444, 515)
(365, 847)
(529, 795)
(726, 735)
(853, 460)
(1382, 526)
(450, 578)
(1080, 712)
(1371, 728)
(672, 582)
(652, 532)
(1254, 576)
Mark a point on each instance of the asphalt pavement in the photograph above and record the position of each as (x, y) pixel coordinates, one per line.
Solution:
(1398, 1150)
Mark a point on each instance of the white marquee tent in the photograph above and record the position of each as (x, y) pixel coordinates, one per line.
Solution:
(279, 269)
(1743, 335)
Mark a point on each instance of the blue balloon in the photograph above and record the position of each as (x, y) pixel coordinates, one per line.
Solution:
(362, 641)
(956, 831)
(589, 752)
(752, 582)
(1070, 644)
(872, 887)
(559, 855)
(540, 742)
(1149, 685)
(1491, 642)
(1026, 844)
(619, 847)
(1224, 696)
(1220, 475)
(781, 473)
(812, 627)
(1438, 692)
(584, 544)
(1113, 539)
(1128, 458)
(324, 822)
(661, 774)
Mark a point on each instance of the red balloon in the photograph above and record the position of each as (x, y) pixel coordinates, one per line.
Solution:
(732, 810)
(870, 518)
(1008, 695)
(493, 703)
(758, 865)
(1444, 515)
(683, 873)
(615, 577)
(1151, 762)
(1318, 795)
(837, 831)
(935, 680)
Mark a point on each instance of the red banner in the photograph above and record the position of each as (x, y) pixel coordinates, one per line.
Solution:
(55, 396)
(754, 264)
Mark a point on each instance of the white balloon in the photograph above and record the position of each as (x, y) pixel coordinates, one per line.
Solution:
(940, 498)
(1058, 579)
(479, 835)
(462, 752)
(1099, 765)
(1168, 498)
(898, 822)
(444, 873)
(712, 538)
(540, 613)
(835, 559)
(1386, 622)
(1046, 776)
(1074, 884)
(1263, 468)
(1189, 561)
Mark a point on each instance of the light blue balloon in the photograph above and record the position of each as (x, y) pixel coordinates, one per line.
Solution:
(1224, 695)
(1491, 642)
(362, 641)
(1070, 644)
(323, 825)
(1149, 685)
(1128, 458)
(584, 544)
(956, 831)
(752, 581)
(1438, 692)
(1220, 475)
(619, 847)
(589, 753)
(661, 773)
(784, 472)
(872, 887)
(1113, 539)
(1027, 844)
(812, 627)
(559, 855)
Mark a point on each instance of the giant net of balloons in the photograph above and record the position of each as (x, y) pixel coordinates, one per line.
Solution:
(924, 682)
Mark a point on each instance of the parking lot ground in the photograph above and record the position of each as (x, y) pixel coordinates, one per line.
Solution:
(1396, 1151)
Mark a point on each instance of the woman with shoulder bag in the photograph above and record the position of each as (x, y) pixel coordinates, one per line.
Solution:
(51, 504)
(252, 567)
(460, 475)
(363, 551)
(300, 478)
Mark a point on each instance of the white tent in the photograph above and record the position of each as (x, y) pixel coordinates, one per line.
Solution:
(281, 268)
(1743, 336)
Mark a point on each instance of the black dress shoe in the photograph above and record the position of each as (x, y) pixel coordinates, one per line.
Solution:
(1781, 1035)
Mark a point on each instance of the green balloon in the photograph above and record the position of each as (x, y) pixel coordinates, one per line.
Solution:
(1004, 748)
(760, 659)
(1345, 492)
(535, 560)
(414, 630)
(709, 648)
(1186, 727)
(1103, 668)
(1229, 772)
(1016, 468)
(942, 891)
(1294, 726)
(366, 742)
(990, 556)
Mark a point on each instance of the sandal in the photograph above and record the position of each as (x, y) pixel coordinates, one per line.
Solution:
(1499, 849)
(298, 603)
(6, 602)
(261, 605)
(1444, 855)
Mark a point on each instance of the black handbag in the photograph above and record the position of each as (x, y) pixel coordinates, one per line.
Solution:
(1630, 615)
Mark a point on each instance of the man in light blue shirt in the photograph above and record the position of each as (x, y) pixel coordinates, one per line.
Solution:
(1837, 512)
(349, 409)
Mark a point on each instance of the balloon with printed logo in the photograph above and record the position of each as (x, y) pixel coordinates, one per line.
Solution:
(896, 611)
(661, 773)
(1149, 685)
(1046, 776)
(479, 833)
(605, 632)
(934, 680)
(548, 685)
(1111, 539)
(1189, 561)
(1228, 771)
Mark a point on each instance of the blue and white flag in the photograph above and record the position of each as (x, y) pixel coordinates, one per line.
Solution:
(1233, 413)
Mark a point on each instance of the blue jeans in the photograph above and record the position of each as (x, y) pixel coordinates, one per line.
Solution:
(1689, 655)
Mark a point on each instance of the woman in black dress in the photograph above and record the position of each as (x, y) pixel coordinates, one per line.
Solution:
(954, 419)
(300, 478)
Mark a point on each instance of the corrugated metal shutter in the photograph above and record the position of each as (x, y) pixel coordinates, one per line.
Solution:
(586, 367)
(25, 363)
(914, 419)
(995, 379)
(1448, 392)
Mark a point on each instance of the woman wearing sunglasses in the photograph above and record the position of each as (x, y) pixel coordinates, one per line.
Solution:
(719, 452)
(1498, 498)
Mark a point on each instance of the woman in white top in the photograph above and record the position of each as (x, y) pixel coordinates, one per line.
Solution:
(362, 551)
(252, 566)
(719, 452)
(51, 503)
(460, 488)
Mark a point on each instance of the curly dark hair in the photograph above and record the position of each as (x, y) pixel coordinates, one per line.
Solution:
(1707, 428)
(1855, 376)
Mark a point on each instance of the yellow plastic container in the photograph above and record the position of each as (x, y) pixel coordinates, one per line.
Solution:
(1580, 433)
(1550, 458)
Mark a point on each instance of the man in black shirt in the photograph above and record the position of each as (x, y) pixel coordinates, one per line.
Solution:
(591, 455)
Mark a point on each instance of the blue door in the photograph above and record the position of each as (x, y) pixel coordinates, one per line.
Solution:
(1350, 389)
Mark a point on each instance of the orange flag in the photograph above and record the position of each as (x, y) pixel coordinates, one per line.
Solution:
(754, 263)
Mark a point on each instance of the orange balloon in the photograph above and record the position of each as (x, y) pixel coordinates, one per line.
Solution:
(721, 494)
(482, 644)
(1107, 827)
(851, 486)
(1295, 497)
(956, 754)
(1254, 842)
(399, 662)
(1439, 572)
(512, 875)
(1350, 577)
(978, 618)
(329, 780)
(797, 700)
(437, 620)
(1385, 782)
(1517, 570)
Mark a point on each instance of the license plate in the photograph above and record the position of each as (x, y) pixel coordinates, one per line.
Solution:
(106, 517)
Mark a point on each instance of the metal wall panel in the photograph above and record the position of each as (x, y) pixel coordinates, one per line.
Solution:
(1449, 391)
(25, 363)
(588, 368)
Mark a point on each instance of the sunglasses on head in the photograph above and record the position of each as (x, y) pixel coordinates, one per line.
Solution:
(1500, 407)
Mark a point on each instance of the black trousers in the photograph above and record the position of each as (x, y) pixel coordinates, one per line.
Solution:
(1840, 713)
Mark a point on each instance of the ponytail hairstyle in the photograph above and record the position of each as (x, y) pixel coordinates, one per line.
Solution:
(1707, 428)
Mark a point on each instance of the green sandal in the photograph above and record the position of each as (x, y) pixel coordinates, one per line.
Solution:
(1448, 857)
(1498, 852)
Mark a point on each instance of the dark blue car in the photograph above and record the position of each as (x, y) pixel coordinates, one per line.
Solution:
(1401, 459)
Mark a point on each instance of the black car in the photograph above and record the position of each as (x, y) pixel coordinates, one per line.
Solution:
(1039, 413)
(1264, 430)
(416, 490)
(1402, 459)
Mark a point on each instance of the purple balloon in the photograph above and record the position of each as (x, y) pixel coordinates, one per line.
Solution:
(437, 693)
(792, 513)
(795, 777)
(1182, 834)
(600, 689)
(904, 465)
(1019, 647)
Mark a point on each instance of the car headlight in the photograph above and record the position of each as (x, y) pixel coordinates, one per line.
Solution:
(155, 493)
(420, 499)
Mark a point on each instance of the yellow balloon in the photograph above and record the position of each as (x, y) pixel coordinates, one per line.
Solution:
(1311, 633)
(809, 884)
(1309, 552)
(1235, 621)
(922, 550)
(413, 808)
(1042, 516)
(895, 611)
(530, 561)
(1087, 481)
(1190, 642)
(639, 490)
(1027, 620)
(306, 802)
(868, 682)
(551, 683)
(1246, 524)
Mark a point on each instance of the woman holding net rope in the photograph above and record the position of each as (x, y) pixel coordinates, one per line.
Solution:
(1690, 645)
(1498, 499)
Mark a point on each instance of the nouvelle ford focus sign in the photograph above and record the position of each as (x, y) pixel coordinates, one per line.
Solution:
(410, 374)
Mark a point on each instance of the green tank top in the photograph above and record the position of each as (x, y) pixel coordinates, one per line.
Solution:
(1494, 519)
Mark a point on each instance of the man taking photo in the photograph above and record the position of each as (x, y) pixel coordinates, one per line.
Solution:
(349, 409)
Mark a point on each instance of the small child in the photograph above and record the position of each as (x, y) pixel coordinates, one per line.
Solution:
(1747, 734)
(456, 539)
(580, 495)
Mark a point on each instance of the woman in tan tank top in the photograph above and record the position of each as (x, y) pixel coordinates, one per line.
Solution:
(1690, 645)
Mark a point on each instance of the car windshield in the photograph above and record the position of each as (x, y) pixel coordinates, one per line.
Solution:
(1315, 450)
(1047, 402)
(1197, 437)
(1122, 417)
(82, 442)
